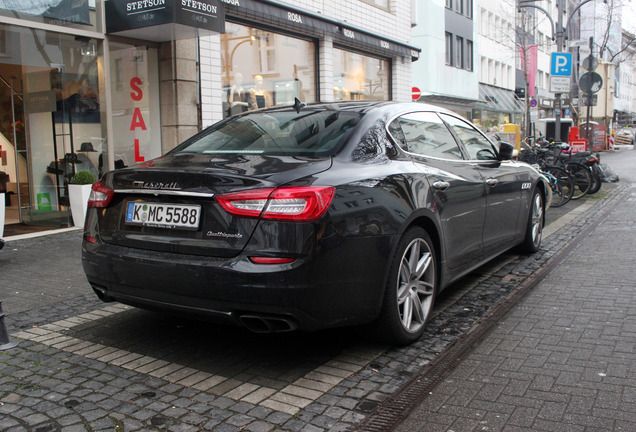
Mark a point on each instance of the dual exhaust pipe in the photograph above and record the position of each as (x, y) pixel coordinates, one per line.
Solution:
(256, 323)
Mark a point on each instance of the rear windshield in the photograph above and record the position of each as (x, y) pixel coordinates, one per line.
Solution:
(308, 133)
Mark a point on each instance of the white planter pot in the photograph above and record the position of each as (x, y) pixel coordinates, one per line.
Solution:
(1, 214)
(78, 196)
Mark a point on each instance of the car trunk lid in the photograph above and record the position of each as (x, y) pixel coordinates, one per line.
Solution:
(169, 204)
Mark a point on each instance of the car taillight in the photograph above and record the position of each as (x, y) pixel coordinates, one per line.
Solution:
(292, 203)
(101, 195)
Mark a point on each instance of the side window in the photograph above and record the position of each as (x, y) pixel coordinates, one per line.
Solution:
(477, 145)
(423, 133)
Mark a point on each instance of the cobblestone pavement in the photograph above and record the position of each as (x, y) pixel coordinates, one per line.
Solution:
(82, 365)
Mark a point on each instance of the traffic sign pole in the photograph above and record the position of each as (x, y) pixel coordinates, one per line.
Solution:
(560, 40)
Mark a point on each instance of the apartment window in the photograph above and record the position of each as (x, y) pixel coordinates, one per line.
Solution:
(483, 22)
(469, 8)
(449, 49)
(383, 4)
(459, 6)
(459, 52)
(497, 28)
(449, 4)
(469, 55)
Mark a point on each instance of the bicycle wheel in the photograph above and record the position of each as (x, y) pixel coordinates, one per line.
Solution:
(596, 183)
(562, 185)
(582, 179)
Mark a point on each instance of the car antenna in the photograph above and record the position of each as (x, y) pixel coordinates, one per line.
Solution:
(298, 105)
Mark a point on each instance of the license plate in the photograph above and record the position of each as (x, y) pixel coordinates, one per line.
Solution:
(185, 216)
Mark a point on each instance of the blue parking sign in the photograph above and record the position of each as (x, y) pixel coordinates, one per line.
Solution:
(561, 64)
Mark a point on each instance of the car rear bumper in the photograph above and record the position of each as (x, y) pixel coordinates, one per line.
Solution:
(306, 294)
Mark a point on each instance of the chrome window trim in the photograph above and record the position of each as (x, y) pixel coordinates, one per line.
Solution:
(395, 141)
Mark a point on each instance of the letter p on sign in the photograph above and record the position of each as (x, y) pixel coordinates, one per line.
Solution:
(561, 64)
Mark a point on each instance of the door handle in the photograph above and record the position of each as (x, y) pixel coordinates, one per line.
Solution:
(492, 182)
(441, 185)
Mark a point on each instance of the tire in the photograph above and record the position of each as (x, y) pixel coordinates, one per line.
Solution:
(534, 227)
(410, 289)
(562, 186)
(596, 184)
(582, 178)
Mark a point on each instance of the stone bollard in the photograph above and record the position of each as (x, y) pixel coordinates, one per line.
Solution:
(4, 335)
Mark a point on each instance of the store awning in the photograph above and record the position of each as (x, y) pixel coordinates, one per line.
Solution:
(305, 22)
(447, 100)
(164, 20)
(497, 99)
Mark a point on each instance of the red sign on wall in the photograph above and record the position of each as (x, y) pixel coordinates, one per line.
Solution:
(137, 119)
(578, 145)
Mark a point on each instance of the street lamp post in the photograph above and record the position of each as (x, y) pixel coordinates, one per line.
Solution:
(559, 35)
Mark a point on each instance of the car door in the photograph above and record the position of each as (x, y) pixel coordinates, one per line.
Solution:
(458, 189)
(503, 186)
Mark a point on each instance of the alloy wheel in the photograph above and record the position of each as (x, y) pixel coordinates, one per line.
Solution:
(416, 285)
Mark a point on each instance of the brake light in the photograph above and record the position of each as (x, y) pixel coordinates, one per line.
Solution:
(101, 195)
(292, 203)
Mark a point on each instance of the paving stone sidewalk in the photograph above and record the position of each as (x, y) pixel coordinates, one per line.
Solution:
(63, 377)
(565, 358)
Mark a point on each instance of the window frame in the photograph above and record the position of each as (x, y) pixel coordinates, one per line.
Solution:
(459, 52)
(470, 66)
(449, 48)
(399, 143)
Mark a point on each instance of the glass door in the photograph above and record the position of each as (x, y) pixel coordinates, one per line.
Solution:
(56, 120)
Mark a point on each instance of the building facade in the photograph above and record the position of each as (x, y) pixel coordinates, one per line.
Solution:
(98, 85)
(448, 75)
(498, 54)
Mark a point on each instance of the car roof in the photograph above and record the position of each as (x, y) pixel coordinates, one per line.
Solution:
(361, 106)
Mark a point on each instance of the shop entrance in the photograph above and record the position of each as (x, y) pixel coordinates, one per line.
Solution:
(51, 121)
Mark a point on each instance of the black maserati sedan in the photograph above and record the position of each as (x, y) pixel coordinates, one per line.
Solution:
(312, 216)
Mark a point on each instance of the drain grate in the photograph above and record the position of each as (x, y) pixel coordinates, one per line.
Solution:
(396, 408)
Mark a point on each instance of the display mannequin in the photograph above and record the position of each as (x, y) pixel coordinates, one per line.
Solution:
(259, 97)
(237, 98)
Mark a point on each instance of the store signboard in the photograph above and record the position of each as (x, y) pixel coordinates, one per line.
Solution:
(164, 20)
(75, 11)
(38, 102)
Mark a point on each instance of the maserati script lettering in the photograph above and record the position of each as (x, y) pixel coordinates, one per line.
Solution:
(156, 185)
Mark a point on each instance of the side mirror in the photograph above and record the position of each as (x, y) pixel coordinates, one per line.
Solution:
(505, 151)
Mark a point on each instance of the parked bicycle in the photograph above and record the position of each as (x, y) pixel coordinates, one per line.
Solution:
(553, 155)
(560, 180)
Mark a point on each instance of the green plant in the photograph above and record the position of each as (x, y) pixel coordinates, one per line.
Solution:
(83, 177)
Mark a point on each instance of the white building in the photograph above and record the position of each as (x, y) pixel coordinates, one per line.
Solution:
(497, 57)
(447, 73)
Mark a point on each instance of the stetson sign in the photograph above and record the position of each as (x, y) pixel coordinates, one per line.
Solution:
(163, 20)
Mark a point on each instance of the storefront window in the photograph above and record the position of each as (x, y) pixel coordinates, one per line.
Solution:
(263, 69)
(51, 120)
(136, 109)
(80, 14)
(358, 77)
